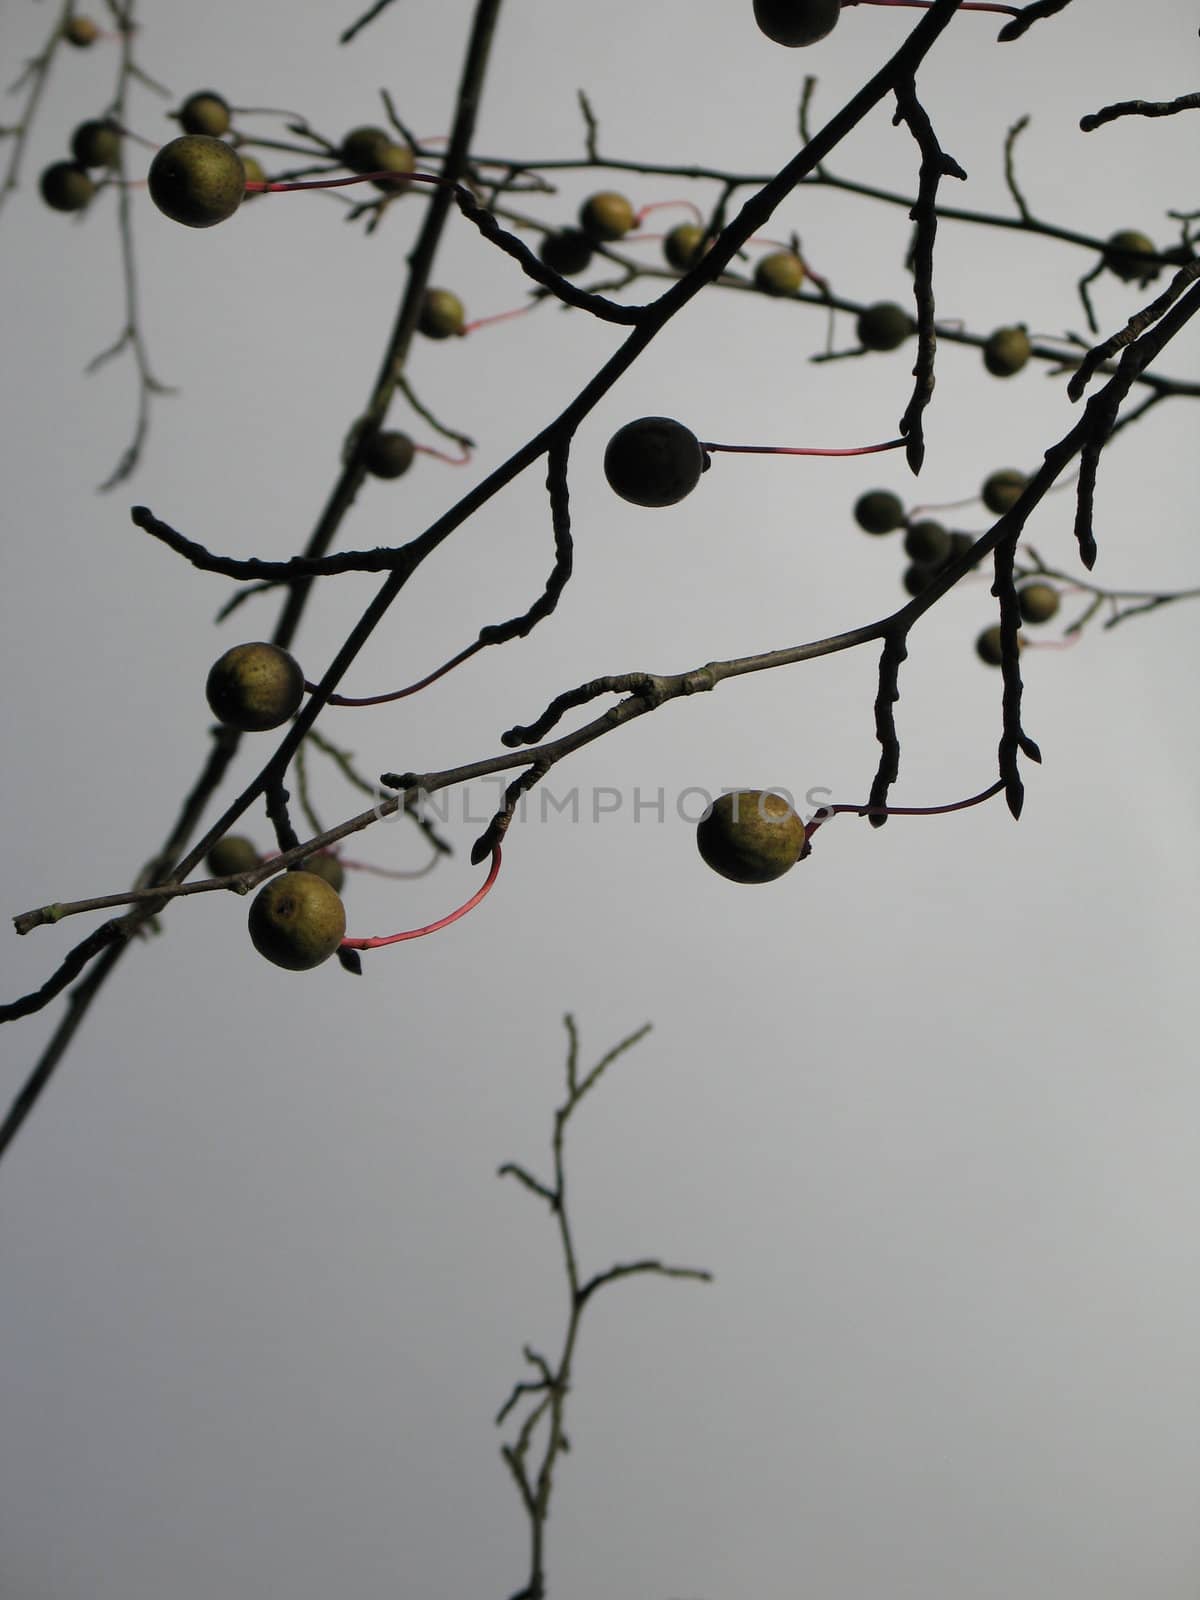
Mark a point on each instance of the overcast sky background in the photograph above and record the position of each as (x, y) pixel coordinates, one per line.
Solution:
(927, 1107)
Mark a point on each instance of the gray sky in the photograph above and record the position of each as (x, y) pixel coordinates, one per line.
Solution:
(926, 1107)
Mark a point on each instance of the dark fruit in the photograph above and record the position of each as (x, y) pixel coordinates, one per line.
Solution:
(66, 186)
(884, 326)
(1038, 601)
(752, 836)
(797, 22)
(442, 314)
(987, 646)
(918, 577)
(606, 217)
(197, 180)
(297, 920)
(927, 543)
(782, 273)
(96, 144)
(80, 31)
(1003, 489)
(233, 853)
(205, 113)
(654, 461)
(375, 150)
(327, 866)
(255, 687)
(684, 246)
(878, 511)
(389, 455)
(1126, 254)
(566, 252)
(1006, 352)
(960, 543)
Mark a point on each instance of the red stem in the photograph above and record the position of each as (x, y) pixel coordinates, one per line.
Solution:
(967, 5)
(797, 450)
(432, 927)
(400, 694)
(901, 811)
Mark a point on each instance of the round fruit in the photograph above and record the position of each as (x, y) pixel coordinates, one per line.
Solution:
(297, 920)
(1003, 489)
(884, 326)
(1038, 601)
(205, 112)
(197, 180)
(80, 31)
(566, 252)
(782, 273)
(442, 314)
(375, 150)
(752, 836)
(233, 853)
(918, 577)
(1006, 352)
(253, 169)
(654, 461)
(878, 511)
(66, 186)
(684, 246)
(606, 217)
(927, 543)
(389, 455)
(797, 22)
(988, 647)
(1126, 254)
(96, 144)
(327, 866)
(960, 543)
(254, 687)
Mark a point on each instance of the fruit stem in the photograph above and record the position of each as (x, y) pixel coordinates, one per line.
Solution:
(413, 688)
(801, 450)
(967, 5)
(900, 811)
(666, 205)
(432, 927)
(440, 455)
(500, 316)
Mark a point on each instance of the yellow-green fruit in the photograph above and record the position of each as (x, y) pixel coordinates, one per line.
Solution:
(606, 217)
(1038, 601)
(297, 920)
(327, 866)
(782, 273)
(752, 836)
(988, 646)
(80, 31)
(884, 326)
(253, 169)
(442, 314)
(1006, 352)
(205, 112)
(65, 186)
(233, 853)
(927, 543)
(197, 180)
(375, 150)
(684, 246)
(254, 687)
(1003, 489)
(96, 144)
(1126, 254)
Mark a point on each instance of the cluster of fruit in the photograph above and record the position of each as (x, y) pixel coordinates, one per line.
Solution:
(931, 547)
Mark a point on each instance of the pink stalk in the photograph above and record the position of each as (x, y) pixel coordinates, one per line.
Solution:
(400, 694)
(967, 5)
(901, 811)
(432, 927)
(500, 316)
(440, 455)
(669, 205)
(798, 450)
